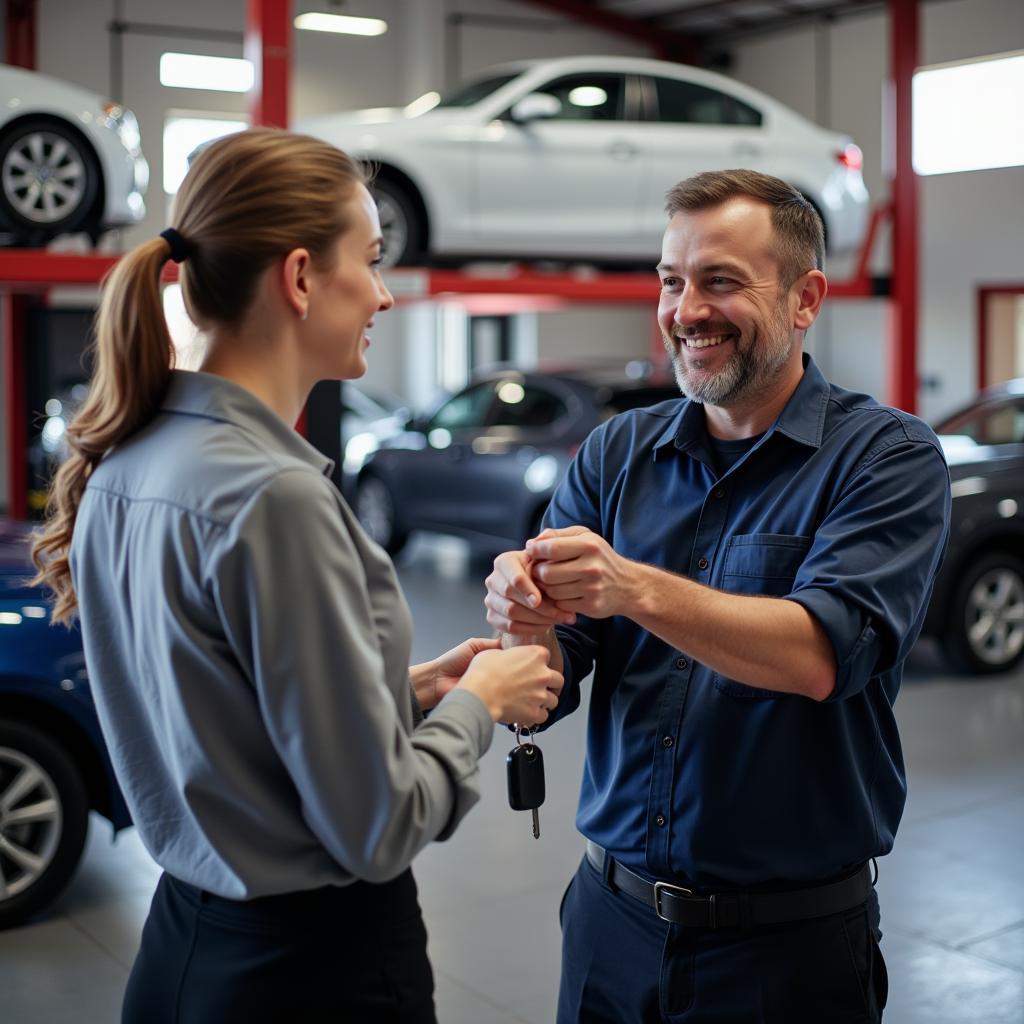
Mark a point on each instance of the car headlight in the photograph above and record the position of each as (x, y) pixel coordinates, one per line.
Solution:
(541, 474)
(358, 450)
(125, 123)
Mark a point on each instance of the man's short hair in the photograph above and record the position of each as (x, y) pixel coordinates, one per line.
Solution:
(799, 232)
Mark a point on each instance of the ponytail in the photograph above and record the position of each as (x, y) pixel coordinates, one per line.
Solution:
(248, 199)
(134, 356)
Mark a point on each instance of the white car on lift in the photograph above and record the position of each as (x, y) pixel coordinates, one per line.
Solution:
(69, 160)
(571, 158)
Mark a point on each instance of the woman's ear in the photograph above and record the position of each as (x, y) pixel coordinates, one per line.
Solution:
(296, 280)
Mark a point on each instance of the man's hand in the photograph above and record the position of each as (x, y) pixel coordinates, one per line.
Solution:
(515, 604)
(579, 571)
(433, 680)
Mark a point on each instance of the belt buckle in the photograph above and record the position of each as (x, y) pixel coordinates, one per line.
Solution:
(679, 891)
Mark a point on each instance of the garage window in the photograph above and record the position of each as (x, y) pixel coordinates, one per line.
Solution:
(183, 134)
(967, 115)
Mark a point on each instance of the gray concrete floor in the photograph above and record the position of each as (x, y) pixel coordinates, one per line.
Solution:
(952, 892)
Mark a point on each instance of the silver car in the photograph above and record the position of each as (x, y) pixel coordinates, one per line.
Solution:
(70, 160)
(571, 158)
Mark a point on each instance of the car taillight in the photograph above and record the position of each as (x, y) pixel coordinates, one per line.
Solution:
(851, 157)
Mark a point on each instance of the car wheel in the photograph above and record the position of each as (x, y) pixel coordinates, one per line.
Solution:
(375, 510)
(400, 223)
(49, 179)
(986, 623)
(44, 813)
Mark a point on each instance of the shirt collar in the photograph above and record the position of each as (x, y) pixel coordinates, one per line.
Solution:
(802, 419)
(193, 393)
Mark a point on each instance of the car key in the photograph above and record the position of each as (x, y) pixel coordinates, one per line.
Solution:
(525, 765)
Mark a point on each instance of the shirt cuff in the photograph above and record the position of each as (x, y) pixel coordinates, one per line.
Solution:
(856, 644)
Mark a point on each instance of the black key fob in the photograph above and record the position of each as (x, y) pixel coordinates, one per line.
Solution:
(525, 765)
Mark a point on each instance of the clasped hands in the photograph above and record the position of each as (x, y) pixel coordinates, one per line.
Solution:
(559, 574)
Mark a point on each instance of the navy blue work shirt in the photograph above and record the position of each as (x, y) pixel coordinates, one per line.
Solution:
(842, 506)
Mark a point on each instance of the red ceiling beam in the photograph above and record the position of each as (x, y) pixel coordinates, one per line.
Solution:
(904, 44)
(268, 44)
(20, 34)
(664, 43)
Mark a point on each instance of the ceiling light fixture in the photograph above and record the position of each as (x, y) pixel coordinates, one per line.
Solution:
(346, 24)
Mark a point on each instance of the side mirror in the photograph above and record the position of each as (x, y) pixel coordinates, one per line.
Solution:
(537, 106)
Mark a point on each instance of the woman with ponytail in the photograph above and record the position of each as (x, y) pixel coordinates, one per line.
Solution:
(247, 643)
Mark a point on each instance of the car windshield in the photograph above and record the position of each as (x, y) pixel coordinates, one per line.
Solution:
(473, 92)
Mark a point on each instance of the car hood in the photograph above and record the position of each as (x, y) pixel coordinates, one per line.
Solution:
(375, 123)
(962, 453)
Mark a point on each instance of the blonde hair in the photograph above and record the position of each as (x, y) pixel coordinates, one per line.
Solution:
(247, 200)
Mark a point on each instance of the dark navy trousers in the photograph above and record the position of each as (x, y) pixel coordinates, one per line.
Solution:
(621, 964)
(345, 955)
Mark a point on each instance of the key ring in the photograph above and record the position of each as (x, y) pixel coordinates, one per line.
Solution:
(529, 730)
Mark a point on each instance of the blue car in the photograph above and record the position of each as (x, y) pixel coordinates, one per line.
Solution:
(54, 767)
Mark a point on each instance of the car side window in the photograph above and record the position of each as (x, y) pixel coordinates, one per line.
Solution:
(596, 97)
(1003, 424)
(468, 409)
(688, 103)
(529, 406)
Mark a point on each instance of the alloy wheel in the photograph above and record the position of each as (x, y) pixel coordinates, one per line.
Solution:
(994, 616)
(44, 177)
(31, 822)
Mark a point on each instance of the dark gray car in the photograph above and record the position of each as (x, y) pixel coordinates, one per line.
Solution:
(485, 464)
(977, 610)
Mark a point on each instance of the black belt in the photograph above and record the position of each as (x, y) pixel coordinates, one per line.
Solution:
(731, 909)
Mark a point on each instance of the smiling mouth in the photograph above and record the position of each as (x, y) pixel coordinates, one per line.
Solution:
(706, 341)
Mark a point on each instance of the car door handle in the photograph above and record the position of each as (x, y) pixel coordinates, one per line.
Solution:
(622, 150)
(746, 149)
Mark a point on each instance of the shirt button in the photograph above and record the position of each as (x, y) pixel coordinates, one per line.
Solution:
(680, 663)
(703, 563)
(667, 741)
(719, 492)
(659, 820)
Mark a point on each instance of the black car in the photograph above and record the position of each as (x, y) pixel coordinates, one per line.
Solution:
(977, 610)
(54, 767)
(485, 464)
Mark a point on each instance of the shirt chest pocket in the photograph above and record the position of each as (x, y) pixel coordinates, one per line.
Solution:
(765, 565)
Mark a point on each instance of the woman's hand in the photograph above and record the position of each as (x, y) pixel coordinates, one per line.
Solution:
(433, 680)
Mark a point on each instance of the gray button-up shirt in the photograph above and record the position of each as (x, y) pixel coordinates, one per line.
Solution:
(248, 649)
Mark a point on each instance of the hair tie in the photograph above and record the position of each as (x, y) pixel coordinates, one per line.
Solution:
(180, 249)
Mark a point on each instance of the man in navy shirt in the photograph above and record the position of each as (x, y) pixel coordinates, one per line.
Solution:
(745, 571)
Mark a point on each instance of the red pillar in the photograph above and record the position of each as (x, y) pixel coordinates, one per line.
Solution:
(904, 37)
(20, 34)
(268, 44)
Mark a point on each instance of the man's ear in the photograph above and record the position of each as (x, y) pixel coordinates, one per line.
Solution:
(810, 290)
(296, 273)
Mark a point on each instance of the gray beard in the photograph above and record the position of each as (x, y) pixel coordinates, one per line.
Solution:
(747, 371)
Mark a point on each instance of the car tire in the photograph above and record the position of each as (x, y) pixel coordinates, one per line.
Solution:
(375, 510)
(985, 626)
(401, 224)
(36, 212)
(44, 814)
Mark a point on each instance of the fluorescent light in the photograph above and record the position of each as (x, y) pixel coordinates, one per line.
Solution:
(967, 116)
(346, 24)
(194, 71)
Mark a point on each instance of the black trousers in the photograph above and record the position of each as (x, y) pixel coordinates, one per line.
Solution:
(621, 964)
(346, 955)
